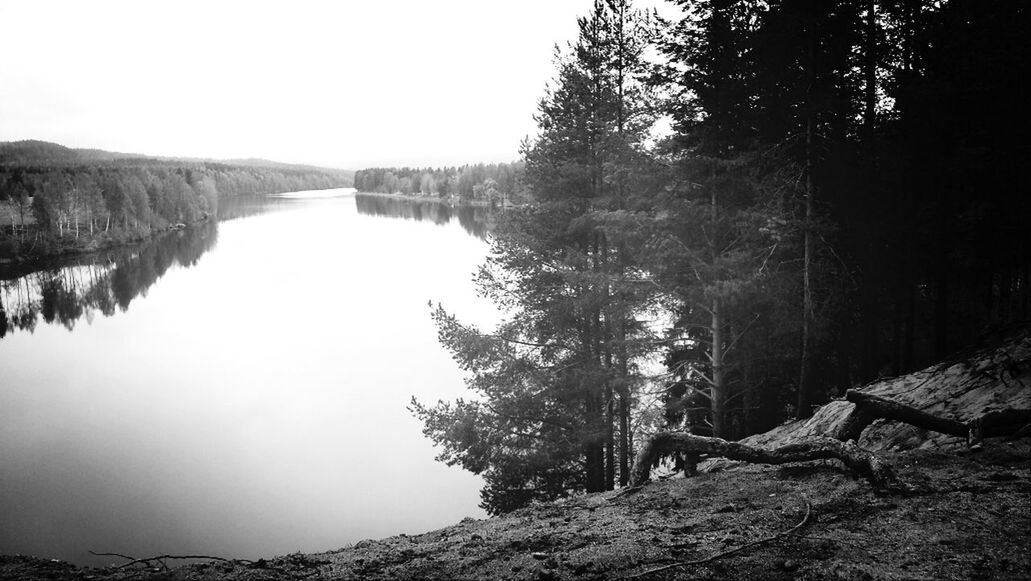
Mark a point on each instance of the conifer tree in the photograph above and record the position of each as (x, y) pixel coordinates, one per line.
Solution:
(551, 379)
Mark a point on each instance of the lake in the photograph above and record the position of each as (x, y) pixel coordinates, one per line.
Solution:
(238, 389)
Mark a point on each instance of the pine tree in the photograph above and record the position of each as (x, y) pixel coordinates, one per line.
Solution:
(551, 379)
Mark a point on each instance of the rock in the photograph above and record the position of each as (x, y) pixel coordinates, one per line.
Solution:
(539, 556)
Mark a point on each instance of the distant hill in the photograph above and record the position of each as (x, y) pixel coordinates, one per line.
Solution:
(32, 151)
(36, 152)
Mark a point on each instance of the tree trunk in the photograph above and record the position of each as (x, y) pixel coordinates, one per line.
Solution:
(719, 428)
(716, 353)
(625, 442)
(606, 349)
(610, 440)
(802, 406)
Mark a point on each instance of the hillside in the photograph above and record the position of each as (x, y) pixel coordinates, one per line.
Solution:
(57, 201)
(969, 516)
(33, 152)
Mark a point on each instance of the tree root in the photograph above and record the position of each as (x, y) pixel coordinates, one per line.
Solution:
(720, 555)
(863, 462)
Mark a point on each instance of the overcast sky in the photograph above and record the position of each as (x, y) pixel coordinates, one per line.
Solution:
(338, 83)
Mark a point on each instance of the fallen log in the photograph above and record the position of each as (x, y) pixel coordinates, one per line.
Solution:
(869, 407)
(863, 462)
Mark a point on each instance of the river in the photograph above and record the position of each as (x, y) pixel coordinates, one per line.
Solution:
(238, 389)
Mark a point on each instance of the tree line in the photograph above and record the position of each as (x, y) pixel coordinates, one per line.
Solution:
(841, 196)
(495, 183)
(56, 192)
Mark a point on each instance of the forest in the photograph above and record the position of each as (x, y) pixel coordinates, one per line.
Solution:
(496, 184)
(58, 197)
(841, 195)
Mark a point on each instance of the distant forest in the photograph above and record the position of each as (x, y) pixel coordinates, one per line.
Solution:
(495, 183)
(54, 192)
(843, 196)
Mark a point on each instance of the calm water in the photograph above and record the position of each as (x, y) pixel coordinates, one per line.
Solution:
(238, 390)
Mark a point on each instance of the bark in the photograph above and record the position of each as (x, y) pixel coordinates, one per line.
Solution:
(862, 462)
(610, 440)
(624, 436)
(718, 380)
(716, 352)
(802, 405)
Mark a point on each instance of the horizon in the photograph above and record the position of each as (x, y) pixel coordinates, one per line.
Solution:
(137, 154)
(394, 84)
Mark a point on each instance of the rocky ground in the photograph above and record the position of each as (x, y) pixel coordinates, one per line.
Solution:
(969, 517)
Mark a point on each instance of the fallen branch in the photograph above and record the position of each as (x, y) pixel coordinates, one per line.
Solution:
(863, 462)
(869, 407)
(161, 559)
(720, 555)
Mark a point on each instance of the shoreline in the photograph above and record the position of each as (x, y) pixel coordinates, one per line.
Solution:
(431, 199)
(15, 261)
(56, 251)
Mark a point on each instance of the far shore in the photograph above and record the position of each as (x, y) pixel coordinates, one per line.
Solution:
(450, 201)
(59, 251)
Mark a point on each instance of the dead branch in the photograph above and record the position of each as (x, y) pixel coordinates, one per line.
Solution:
(863, 462)
(720, 555)
(869, 407)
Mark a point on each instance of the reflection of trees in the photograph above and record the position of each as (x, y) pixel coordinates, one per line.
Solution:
(473, 219)
(102, 282)
(242, 206)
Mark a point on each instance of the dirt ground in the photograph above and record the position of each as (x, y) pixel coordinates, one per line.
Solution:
(970, 519)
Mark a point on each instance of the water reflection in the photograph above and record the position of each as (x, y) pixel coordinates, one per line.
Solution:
(474, 219)
(67, 289)
(236, 207)
(99, 283)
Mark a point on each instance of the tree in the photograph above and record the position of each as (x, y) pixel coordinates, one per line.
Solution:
(548, 378)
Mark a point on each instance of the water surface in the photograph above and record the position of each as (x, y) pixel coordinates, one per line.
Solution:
(239, 389)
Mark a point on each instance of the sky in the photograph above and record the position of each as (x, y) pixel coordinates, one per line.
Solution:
(342, 83)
